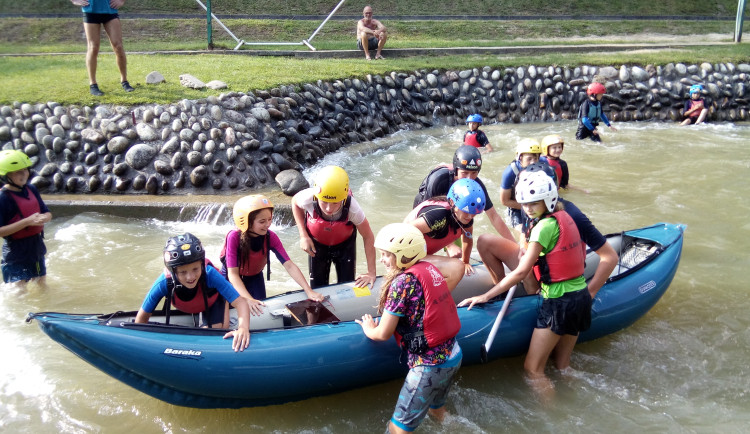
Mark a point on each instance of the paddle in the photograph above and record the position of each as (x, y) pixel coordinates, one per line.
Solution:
(496, 326)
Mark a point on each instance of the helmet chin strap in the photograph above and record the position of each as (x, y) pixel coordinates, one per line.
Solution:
(467, 234)
(6, 180)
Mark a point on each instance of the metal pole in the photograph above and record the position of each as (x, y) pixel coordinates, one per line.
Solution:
(738, 23)
(209, 30)
(326, 20)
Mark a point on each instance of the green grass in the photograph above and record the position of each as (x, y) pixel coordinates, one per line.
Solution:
(403, 7)
(62, 78)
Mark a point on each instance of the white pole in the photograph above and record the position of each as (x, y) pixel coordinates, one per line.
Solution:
(325, 21)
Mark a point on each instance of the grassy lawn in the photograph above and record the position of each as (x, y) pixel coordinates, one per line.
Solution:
(63, 78)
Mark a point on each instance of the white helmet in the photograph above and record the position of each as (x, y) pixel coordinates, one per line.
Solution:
(536, 186)
(404, 241)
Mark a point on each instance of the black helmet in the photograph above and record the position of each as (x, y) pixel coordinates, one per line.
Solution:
(182, 250)
(541, 166)
(467, 158)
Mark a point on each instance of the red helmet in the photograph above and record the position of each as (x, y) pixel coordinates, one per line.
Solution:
(596, 89)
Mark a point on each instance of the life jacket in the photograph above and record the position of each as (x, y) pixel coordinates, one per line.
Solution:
(440, 319)
(429, 179)
(567, 258)
(330, 232)
(435, 244)
(555, 164)
(255, 260)
(470, 138)
(693, 103)
(195, 300)
(25, 206)
(594, 112)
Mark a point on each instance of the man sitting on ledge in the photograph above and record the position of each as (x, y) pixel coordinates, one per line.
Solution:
(371, 34)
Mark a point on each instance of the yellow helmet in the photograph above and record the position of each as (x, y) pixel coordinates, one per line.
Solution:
(331, 184)
(13, 161)
(245, 205)
(552, 139)
(403, 240)
(528, 146)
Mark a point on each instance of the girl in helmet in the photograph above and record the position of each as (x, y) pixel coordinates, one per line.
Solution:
(247, 250)
(444, 220)
(556, 254)
(191, 286)
(695, 110)
(328, 218)
(476, 137)
(417, 307)
(590, 114)
(22, 218)
(527, 152)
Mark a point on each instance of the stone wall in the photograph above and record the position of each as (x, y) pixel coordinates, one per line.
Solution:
(242, 141)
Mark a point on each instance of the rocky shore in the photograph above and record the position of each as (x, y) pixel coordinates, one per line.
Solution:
(240, 141)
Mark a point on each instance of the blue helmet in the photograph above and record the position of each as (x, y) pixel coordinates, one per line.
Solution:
(474, 118)
(468, 196)
(696, 88)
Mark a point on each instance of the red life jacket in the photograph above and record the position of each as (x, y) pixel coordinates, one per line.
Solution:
(567, 258)
(435, 244)
(25, 206)
(693, 103)
(470, 138)
(195, 300)
(555, 164)
(330, 232)
(440, 319)
(255, 261)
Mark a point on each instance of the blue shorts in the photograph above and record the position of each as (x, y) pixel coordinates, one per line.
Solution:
(516, 217)
(566, 315)
(426, 387)
(215, 313)
(23, 271)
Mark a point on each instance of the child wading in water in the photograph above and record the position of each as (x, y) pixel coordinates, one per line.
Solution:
(22, 218)
(556, 253)
(590, 114)
(417, 307)
(476, 137)
(247, 251)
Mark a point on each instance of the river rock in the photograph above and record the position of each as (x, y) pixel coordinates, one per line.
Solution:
(155, 77)
(140, 155)
(191, 82)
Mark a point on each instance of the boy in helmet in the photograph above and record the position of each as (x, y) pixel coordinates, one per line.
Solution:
(476, 137)
(22, 218)
(191, 286)
(695, 110)
(328, 218)
(590, 114)
(527, 152)
(467, 162)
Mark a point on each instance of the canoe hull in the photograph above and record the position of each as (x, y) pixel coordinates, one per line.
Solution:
(197, 368)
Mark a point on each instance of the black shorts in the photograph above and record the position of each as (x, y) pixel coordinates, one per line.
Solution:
(566, 315)
(584, 133)
(99, 18)
(343, 256)
(372, 44)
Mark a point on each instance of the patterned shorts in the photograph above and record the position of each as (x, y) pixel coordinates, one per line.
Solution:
(425, 387)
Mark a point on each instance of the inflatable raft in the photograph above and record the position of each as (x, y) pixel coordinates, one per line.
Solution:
(301, 349)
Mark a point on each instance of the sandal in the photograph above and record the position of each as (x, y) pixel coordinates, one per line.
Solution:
(126, 86)
(379, 57)
(94, 89)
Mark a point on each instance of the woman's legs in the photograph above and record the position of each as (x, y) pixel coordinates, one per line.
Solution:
(92, 49)
(114, 32)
